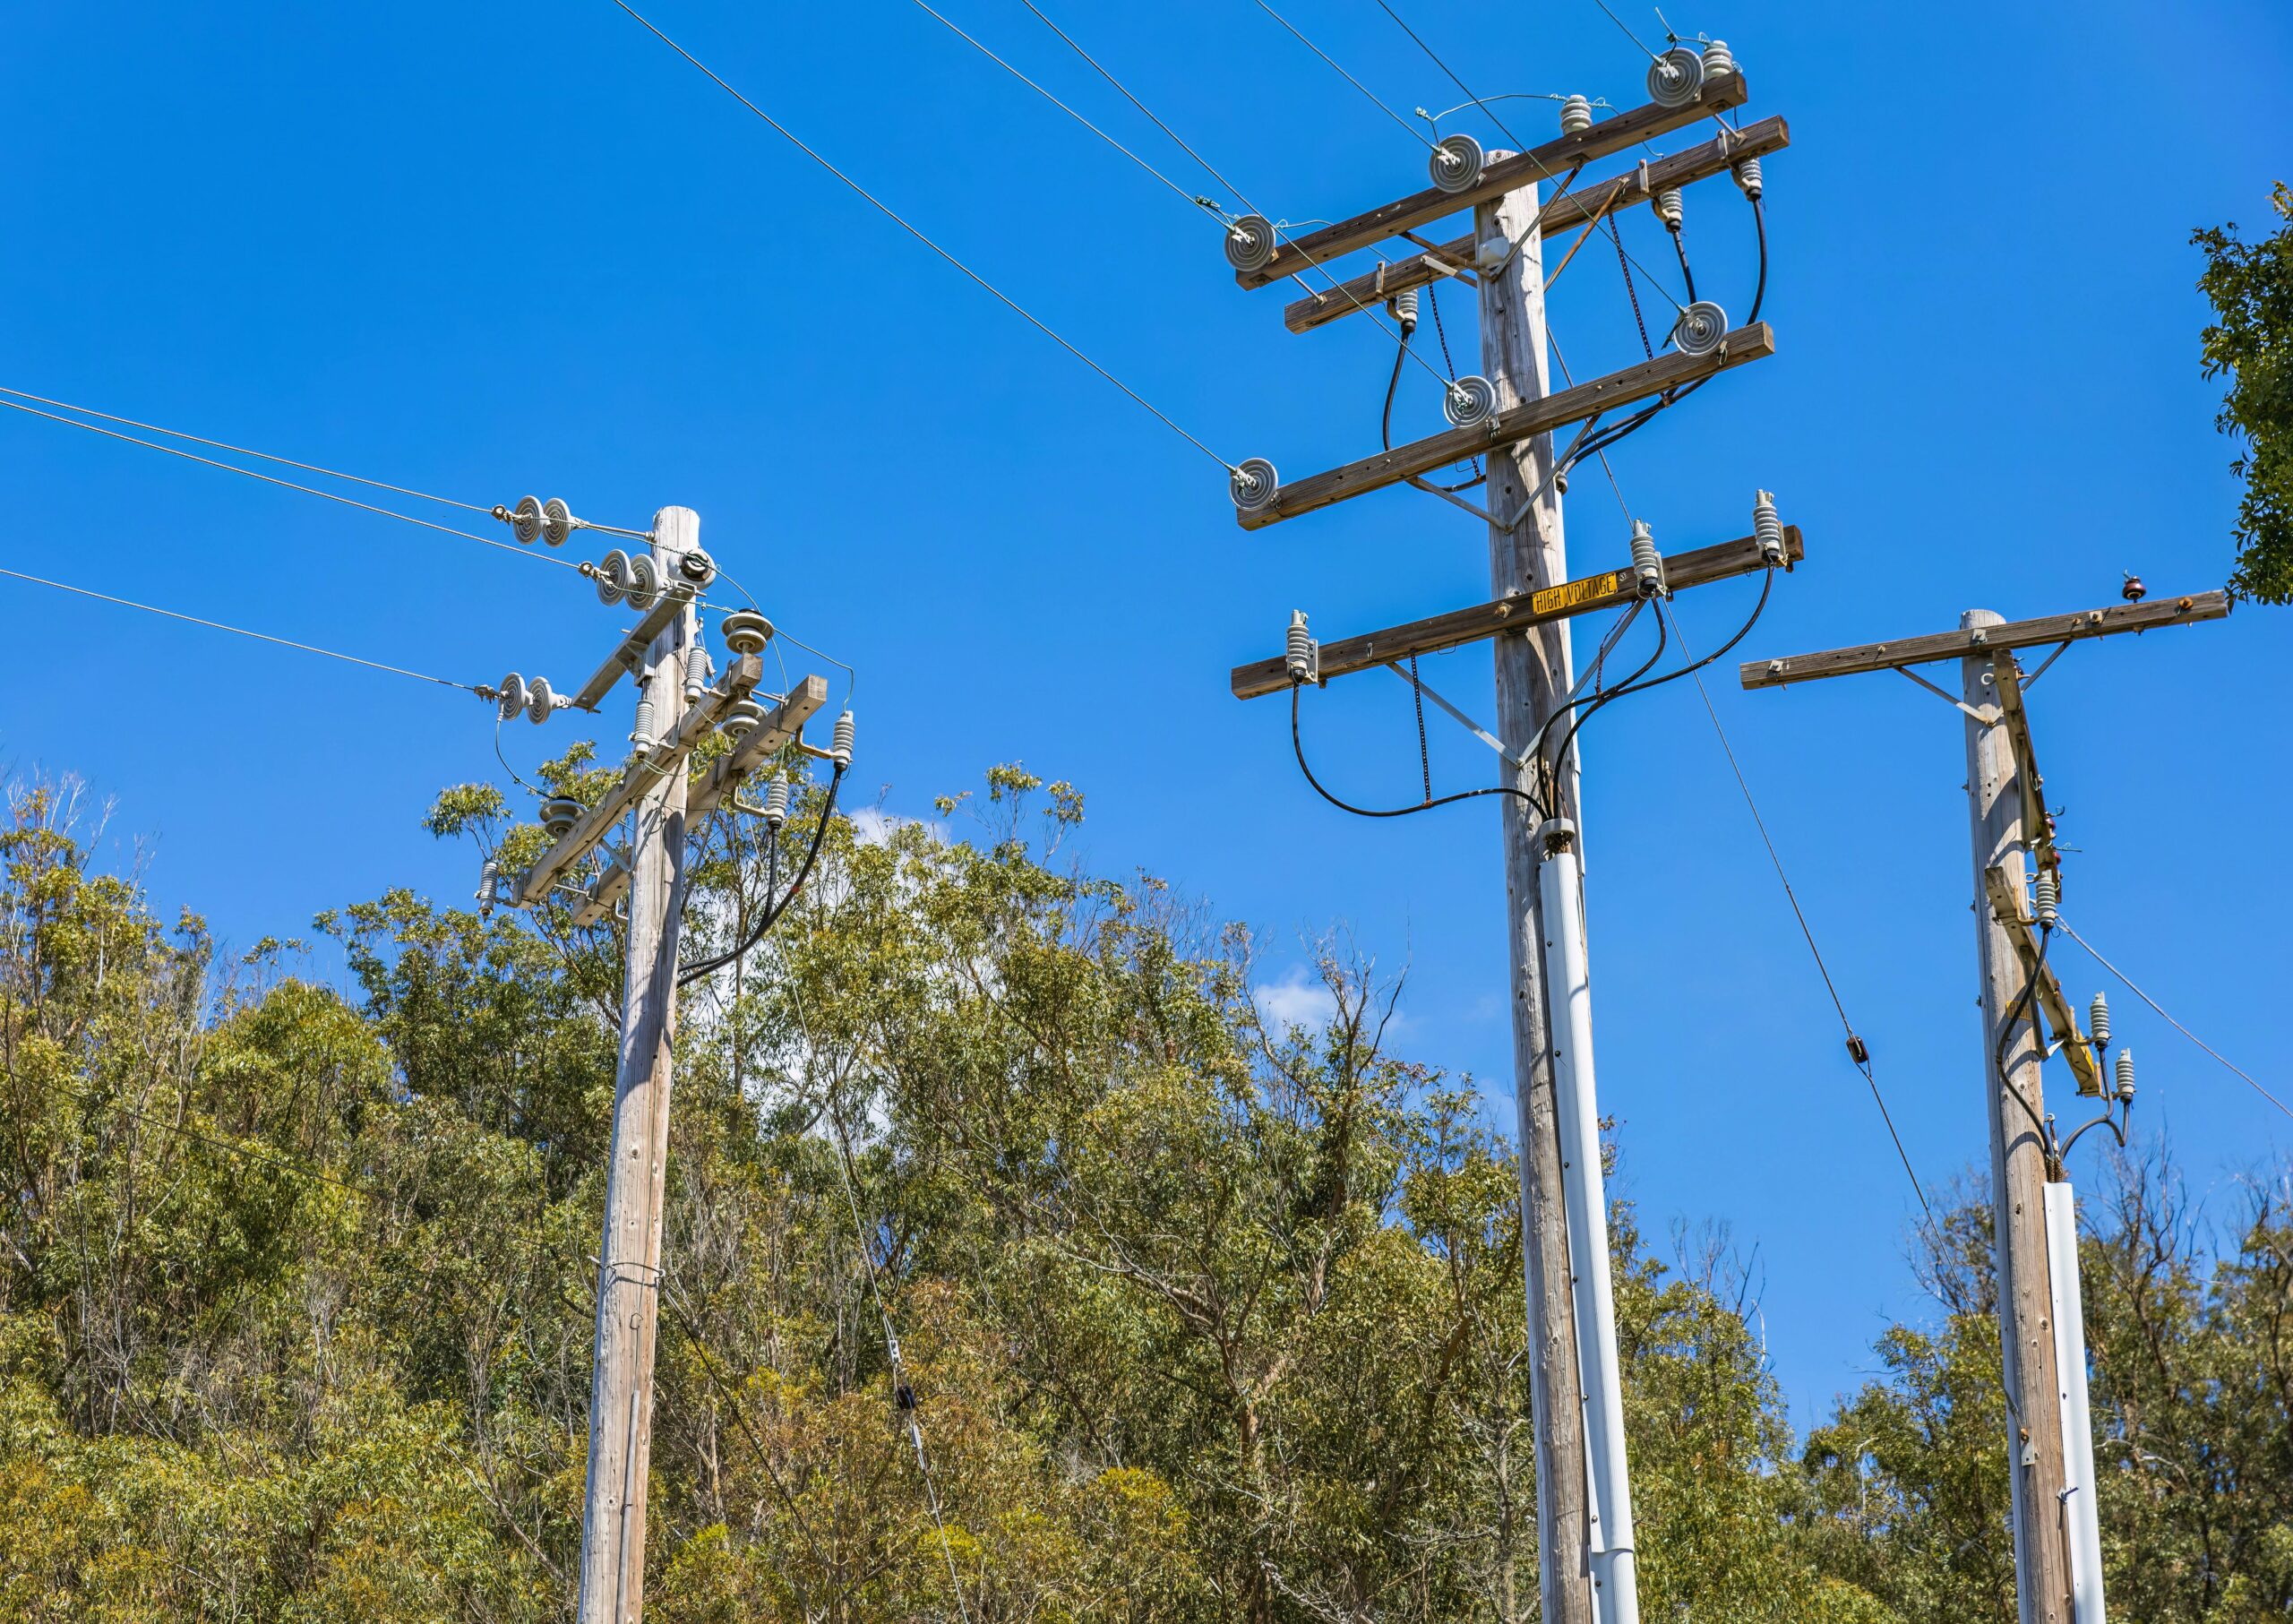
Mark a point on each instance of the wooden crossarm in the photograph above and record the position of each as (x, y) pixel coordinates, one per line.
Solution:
(711, 785)
(1979, 640)
(1548, 162)
(1606, 590)
(738, 679)
(1611, 393)
(1371, 289)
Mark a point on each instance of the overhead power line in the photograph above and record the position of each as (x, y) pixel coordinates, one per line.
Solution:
(261, 637)
(1414, 134)
(2064, 925)
(307, 490)
(917, 232)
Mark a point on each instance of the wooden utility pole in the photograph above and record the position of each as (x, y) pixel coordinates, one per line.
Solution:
(1535, 670)
(628, 1261)
(2014, 1098)
(2057, 1577)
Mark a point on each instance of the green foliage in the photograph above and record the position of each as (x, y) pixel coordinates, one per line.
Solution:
(1208, 1318)
(2250, 339)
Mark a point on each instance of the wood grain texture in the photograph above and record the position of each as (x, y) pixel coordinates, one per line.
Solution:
(1525, 420)
(2014, 1098)
(630, 656)
(2007, 634)
(1626, 191)
(1549, 162)
(1588, 593)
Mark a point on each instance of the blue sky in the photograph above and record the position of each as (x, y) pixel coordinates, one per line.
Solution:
(483, 250)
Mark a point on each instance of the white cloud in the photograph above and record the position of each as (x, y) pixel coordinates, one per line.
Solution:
(873, 826)
(1298, 1000)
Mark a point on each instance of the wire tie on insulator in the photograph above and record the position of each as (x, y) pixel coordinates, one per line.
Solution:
(2097, 1021)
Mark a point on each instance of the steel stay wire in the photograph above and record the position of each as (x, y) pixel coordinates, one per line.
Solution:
(917, 232)
(2066, 928)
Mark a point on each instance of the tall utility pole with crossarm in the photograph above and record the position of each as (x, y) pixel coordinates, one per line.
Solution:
(679, 705)
(1508, 415)
(2017, 892)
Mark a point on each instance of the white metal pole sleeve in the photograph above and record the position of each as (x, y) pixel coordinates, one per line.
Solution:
(2083, 1513)
(1560, 884)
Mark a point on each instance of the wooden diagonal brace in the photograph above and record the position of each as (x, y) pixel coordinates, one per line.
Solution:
(718, 780)
(1981, 640)
(1608, 591)
(1533, 417)
(2006, 903)
(2038, 822)
(1548, 162)
(1372, 287)
(739, 678)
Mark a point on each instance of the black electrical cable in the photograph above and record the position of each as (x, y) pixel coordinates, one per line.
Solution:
(2014, 1014)
(1298, 746)
(1679, 247)
(1759, 293)
(1385, 424)
(1632, 686)
(773, 910)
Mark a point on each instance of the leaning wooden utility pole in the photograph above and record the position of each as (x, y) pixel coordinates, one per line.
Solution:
(1535, 670)
(628, 1261)
(2057, 1545)
(2015, 1102)
(678, 706)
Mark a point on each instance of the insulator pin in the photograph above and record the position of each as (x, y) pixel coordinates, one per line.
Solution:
(1647, 563)
(1748, 176)
(2125, 1076)
(1676, 78)
(1669, 208)
(2097, 1021)
(1719, 61)
(746, 632)
(839, 748)
(1456, 163)
(741, 718)
(2047, 893)
(1767, 528)
(1575, 116)
(1300, 654)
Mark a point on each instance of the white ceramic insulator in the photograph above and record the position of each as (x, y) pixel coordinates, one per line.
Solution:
(1405, 309)
(2047, 895)
(1297, 648)
(1746, 173)
(696, 671)
(775, 802)
(1719, 61)
(1575, 116)
(2126, 1074)
(2097, 1019)
(642, 736)
(1669, 208)
(840, 746)
(1767, 528)
(1647, 563)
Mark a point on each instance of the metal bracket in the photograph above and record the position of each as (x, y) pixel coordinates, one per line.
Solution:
(2030, 681)
(1952, 699)
(1471, 726)
(1590, 671)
